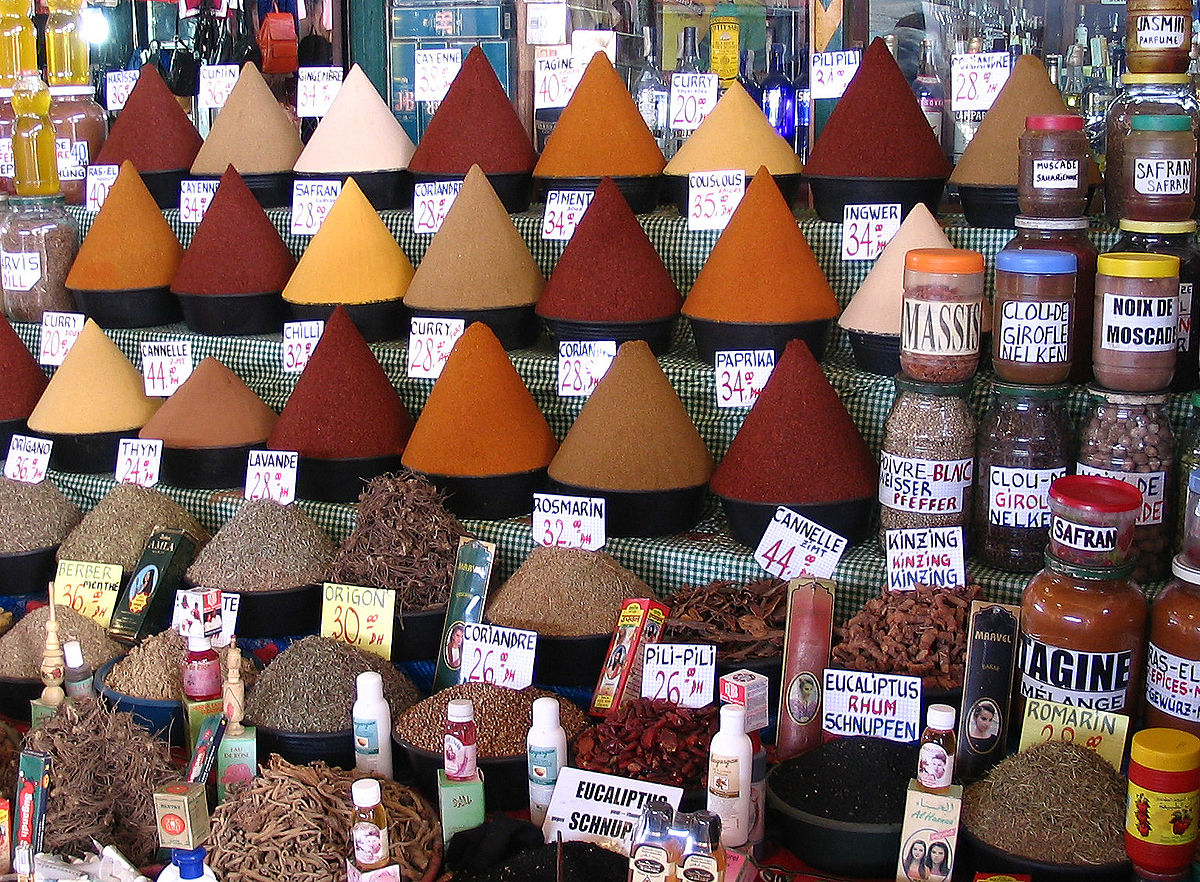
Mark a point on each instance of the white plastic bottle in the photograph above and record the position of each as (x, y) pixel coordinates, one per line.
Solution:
(546, 753)
(372, 720)
(187, 864)
(730, 764)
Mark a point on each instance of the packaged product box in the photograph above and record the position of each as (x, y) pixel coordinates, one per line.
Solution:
(640, 623)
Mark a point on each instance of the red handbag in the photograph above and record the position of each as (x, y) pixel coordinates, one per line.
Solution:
(278, 42)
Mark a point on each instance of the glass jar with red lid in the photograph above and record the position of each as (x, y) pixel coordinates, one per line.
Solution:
(1052, 178)
(942, 317)
(1092, 519)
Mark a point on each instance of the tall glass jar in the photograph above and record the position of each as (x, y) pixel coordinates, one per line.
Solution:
(1188, 450)
(1025, 443)
(1127, 436)
(1173, 656)
(1136, 304)
(942, 318)
(1160, 168)
(38, 241)
(80, 125)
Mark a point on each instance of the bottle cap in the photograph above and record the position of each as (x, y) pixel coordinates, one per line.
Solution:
(1025, 222)
(940, 717)
(943, 260)
(369, 684)
(1096, 493)
(1166, 228)
(1129, 265)
(1059, 122)
(365, 793)
(733, 718)
(73, 653)
(545, 713)
(460, 710)
(1182, 568)
(199, 644)
(1150, 79)
(1161, 122)
(1037, 261)
(190, 862)
(706, 827)
(1165, 750)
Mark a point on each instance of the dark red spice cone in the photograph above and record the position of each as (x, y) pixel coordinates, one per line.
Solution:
(151, 131)
(800, 429)
(474, 125)
(343, 406)
(21, 380)
(609, 271)
(236, 248)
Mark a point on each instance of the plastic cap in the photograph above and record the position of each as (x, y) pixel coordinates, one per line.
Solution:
(1164, 227)
(1165, 750)
(1096, 493)
(1132, 399)
(1161, 122)
(369, 684)
(1020, 390)
(1149, 79)
(1025, 222)
(940, 717)
(905, 383)
(1185, 570)
(73, 653)
(733, 718)
(545, 713)
(460, 710)
(1037, 262)
(1059, 122)
(943, 260)
(190, 862)
(1129, 265)
(365, 793)
(199, 644)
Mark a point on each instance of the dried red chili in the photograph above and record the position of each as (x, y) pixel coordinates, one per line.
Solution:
(151, 131)
(23, 381)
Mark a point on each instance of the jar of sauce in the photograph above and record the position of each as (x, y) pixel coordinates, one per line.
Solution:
(1032, 316)
(1052, 179)
(80, 127)
(1136, 310)
(1160, 168)
(942, 318)
(1158, 35)
(1173, 656)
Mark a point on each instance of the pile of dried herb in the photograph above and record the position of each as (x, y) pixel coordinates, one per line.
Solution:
(21, 649)
(154, 668)
(33, 516)
(117, 529)
(744, 621)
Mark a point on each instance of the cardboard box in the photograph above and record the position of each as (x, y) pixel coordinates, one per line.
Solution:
(145, 605)
(640, 623)
(461, 804)
(181, 812)
(33, 789)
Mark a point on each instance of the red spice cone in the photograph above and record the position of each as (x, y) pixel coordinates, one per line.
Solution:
(21, 380)
(151, 131)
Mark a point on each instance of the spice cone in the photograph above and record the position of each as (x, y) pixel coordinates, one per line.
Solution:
(213, 408)
(151, 131)
(359, 133)
(252, 132)
(735, 135)
(21, 380)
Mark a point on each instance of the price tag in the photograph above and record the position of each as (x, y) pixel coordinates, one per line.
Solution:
(976, 78)
(681, 673)
(693, 96)
(928, 556)
(90, 589)
(117, 86)
(429, 343)
(867, 229)
(216, 82)
(435, 71)
(545, 23)
(794, 546)
(876, 705)
(271, 474)
(568, 521)
(504, 656)
(583, 807)
(28, 459)
(138, 461)
(564, 210)
(99, 181)
(1097, 730)
(165, 366)
(554, 81)
(581, 364)
(431, 204)
(741, 375)
(59, 332)
(831, 72)
(361, 617)
(194, 197)
(299, 341)
(311, 201)
(712, 198)
(316, 87)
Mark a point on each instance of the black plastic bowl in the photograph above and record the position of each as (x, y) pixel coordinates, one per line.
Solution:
(270, 189)
(132, 308)
(505, 779)
(644, 512)
(27, 572)
(278, 613)
(418, 634)
(640, 191)
(15, 695)
(334, 748)
(713, 337)
(340, 480)
(516, 327)
(377, 322)
(994, 207)
(164, 186)
(92, 453)
(385, 190)
(657, 333)
(876, 353)
(831, 195)
(205, 468)
(975, 855)
(850, 518)
(225, 315)
(8, 428)
(492, 497)
(570, 661)
(514, 189)
(676, 188)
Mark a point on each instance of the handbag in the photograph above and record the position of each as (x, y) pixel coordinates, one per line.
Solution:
(278, 42)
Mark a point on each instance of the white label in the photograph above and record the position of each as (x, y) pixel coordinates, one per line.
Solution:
(712, 198)
(1055, 174)
(932, 556)
(1173, 684)
(928, 486)
(316, 87)
(165, 366)
(650, 863)
(940, 327)
(271, 474)
(216, 82)
(581, 364)
(1034, 331)
(429, 343)
(1163, 177)
(564, 210)
(435, 71)
(1020, 497)
(7, 166)
(741, 375)
(194, 197)
(545, 23)
(59, 332)
(1138, 324)
(72, 158)
(311, 201)
(28, 459)
(568, 521)
(503, 656)
(1184, 328)
(554, 80)
(1161, 31)
(605, 809)
(793, 546)
(1083, 537)
(831, 72)
(431, 204)
(693, 96)
(100, 179)
(876, 705)
(299, 341)
(1152, 484)
(682, 673)
(117, 86)
(20, 270)
(976, 79)
(138, 461)
(867, 229)
(1081, 679)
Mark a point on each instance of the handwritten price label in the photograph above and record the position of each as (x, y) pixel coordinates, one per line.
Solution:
(867, 229)
(554, 81)
(316, 87)
(429, 344)
(568, 521)
(216, 82)
(60, 330)
(117, 86)
(90, 589)
(581, 364)
(431, 204)
(564, 210)
(976, 78)
(138, 461)
(299, 341)
(271, 474)
(693, 96)
(311, 201)
(361, 617)
(712, 198)
(793, 546)
(741, 375)
(503, 656)
(99, 181)
(28, 459)
(1096, 730)
(435, 71)
(831, 72)
(545, 23)
(194, 197)
(681, 673)
(165, 366)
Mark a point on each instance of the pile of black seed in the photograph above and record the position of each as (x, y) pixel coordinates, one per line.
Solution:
(849, 779)
(582, 862)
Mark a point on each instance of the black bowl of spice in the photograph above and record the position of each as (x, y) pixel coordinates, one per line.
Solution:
(334, 748)
(640, 191)
(505, 778)
(570, 661)
(713, 337)
(90, 453)
(276, 612)
(132, 308)
(658, 333)
(225, 315)
(994, 207)
(975, 855)
(514, 189)
(850, 518)
(386, 189)
(8, 428)
(270, 189)
(340, 480)
(417, 635)
(490, 497)
(377, 322)
(516, 327)
(205, 468)
(15, 695)
(164, 185)
(27, 572)
(644, 512)
(831, 195)
(876, 353)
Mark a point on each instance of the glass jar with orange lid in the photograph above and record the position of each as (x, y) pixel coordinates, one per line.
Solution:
(942, 316)
(1173, 656)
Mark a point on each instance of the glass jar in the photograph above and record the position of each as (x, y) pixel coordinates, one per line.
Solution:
(1137, 301)
(1190, 505)
(1128, 437)
(927, 456)
(1158, 35)
(80, 125)
(1173, 656)
(1032, 319)
(1025, 439)
(1083, 635)
(1141, 93)
(1160, 168)
(942, 318)
(1188, 450)
(1091, 520)
(1052, 179)
(38, 241)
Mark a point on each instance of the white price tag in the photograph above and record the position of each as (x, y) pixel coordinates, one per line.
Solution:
(741, 375)
(693, 96)
(99, 181)
(568, 521)
(59, 332)
(299, 341)
(271, 474)
(930, 556)
(976, 79)
(581, 364)
(564, 210)
(431, 204)
(316, 87)
(117, 86)
(712, 198)
(435, 71)
(681, 673)
(831, 72)
(72, 158)
(794, 546)
(194, 197)
(876, 705)
(311, 201)
(867, 229)
(429, 343)
(554, 81)
(138, 461)
(28, 459)
(503, 656)
(216, 82)
(165, 366)
(545, 23)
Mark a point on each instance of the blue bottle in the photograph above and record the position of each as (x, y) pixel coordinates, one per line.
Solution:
(779, 96)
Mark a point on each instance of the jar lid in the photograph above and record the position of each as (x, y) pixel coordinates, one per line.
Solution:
(1130, 265)
(1037, 261)
(1025, 222)
(365, 792)
(75, 91)
(30, 201)
(1113, 396)
(1093, 574)
(1058, 122)
(905, 383)
(1096, 493)
(943, 260)
(1165, 750)
(1146, 79)
(1184, 570)
(1017, 390)
(1161, 122)
(1165, 227)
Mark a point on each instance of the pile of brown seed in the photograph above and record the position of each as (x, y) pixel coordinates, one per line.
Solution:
(21, 648)
(153, 668)
(33, 516)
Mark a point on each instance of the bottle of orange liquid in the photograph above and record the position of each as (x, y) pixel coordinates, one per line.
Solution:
(703, 858)
(18, 41)
(935, 759)
(67, 57)
(35, 161)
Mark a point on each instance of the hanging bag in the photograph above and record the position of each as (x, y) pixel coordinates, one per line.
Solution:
(278, 42)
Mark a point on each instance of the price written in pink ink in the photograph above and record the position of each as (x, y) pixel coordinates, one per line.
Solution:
(271, 474)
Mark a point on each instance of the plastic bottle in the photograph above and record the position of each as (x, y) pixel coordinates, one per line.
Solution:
(77, 676)
(18, 41)
(1163, 803)
(730, 765)
(201, 670)
(35, 157)
(459, 748)
(546, 754)
(372, 720)
(67, 57)
(703, 858)
(650, 858)
(187, 863)
(369, 826)
(935, 760)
